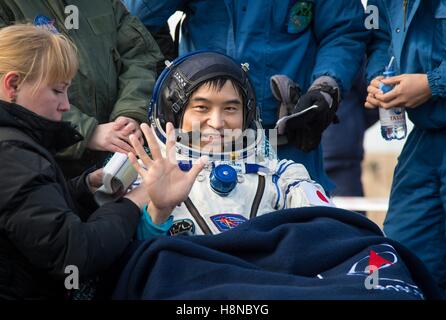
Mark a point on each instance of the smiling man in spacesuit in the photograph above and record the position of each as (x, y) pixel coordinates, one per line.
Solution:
(211, 165)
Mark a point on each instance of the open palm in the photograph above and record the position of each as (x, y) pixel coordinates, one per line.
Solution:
(167, 185)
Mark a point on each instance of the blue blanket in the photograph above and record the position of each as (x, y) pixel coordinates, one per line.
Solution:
(306, 253)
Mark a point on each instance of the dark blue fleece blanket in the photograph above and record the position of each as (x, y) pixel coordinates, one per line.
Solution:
(306, 253)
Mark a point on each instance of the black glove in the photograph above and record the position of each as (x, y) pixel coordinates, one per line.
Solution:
(317, 109)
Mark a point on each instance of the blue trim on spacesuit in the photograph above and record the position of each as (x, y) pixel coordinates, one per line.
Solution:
(282, 168)
(288, 190)
(286, 167)
(275, 180)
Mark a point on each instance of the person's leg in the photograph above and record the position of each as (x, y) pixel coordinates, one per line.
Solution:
(442, 261)
(416, 213)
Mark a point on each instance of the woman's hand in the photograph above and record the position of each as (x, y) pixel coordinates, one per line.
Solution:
(165, 183)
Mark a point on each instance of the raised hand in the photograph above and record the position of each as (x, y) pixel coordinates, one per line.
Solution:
(166, 184)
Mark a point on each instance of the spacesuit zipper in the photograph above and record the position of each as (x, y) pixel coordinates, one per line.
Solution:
(196, 215)
(258, 197)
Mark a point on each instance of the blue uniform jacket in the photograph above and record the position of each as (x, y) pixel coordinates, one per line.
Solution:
(272, 36)
(418, 48)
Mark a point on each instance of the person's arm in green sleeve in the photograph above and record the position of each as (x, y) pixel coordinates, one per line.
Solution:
(139, 55)
(99, 137)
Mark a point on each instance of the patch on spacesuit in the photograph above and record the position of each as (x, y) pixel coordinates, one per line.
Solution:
(300, 17)
(45, 23)
(183, 226)
(315, 196)
(227, 221)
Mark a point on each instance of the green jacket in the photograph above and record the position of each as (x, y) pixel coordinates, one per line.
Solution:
(118, 57)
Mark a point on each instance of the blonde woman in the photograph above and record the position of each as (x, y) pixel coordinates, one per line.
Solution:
(41, 231)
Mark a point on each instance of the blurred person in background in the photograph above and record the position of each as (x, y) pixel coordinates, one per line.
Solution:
(414, 32)
(343, 142)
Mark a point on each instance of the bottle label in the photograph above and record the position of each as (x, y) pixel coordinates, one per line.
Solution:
(392, 117)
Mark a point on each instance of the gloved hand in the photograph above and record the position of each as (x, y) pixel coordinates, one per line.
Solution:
(314, 112)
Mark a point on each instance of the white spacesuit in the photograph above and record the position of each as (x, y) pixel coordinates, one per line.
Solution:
(227, 193)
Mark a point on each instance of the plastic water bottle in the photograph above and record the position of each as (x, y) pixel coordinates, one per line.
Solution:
(393, 121)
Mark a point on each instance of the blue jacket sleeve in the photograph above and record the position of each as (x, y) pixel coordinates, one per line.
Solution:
(153, 13)
(379, 48)
(340, 32)
(146, 228)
